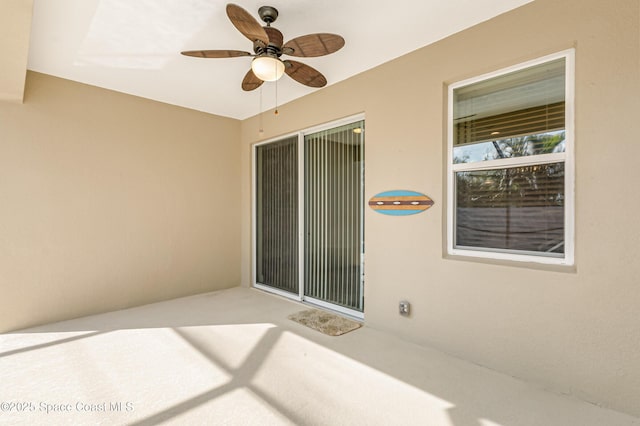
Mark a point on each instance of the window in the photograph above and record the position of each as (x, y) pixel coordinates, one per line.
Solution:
(510, 163)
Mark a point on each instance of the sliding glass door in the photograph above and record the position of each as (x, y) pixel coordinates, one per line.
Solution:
(309, 233)
(333, 216)
(277, 214)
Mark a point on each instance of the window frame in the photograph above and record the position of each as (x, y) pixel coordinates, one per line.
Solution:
(567, 157)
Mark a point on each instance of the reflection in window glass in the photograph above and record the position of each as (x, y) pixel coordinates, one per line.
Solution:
(519, 208)
(544, 143)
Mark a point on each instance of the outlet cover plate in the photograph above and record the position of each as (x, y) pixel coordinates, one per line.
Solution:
(404, 308)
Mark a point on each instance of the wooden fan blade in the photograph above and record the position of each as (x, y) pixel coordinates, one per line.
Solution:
(304, 74)
(275, 36)
(215, 53)
(251, 82)
(246, 24)
(311, 45)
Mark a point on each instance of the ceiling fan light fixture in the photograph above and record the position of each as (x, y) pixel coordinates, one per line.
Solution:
(267, 68)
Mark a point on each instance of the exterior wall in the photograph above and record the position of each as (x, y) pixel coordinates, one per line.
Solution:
(15, 30)
(109, 201)
(573, 330)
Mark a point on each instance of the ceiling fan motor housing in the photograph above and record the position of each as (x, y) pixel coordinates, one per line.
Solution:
(269, 14)
(274, 48)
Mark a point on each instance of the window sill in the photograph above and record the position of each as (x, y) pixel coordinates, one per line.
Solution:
(528, 262)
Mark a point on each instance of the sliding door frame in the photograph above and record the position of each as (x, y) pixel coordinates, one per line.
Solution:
(301, 217)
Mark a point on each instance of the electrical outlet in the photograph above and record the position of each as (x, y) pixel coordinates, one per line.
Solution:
(403, 308)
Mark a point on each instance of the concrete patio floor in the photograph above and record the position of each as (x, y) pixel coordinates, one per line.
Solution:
(232, 357)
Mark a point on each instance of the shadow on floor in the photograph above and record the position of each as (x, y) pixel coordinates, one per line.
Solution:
(305, 377)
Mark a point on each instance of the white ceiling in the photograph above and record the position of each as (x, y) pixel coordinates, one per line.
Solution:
(133, 46)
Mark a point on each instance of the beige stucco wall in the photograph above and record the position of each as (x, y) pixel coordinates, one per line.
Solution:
(109, 201)
(15, 30)
(573, 331)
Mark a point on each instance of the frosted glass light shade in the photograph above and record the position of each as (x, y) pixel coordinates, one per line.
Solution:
(267, 68)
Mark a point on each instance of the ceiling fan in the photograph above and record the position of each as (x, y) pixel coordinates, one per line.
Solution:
(268, 46)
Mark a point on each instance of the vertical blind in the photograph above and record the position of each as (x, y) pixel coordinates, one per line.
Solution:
(277, 215)
(333, 215)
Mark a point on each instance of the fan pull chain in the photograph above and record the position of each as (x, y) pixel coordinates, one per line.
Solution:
(276, 111)
(260, 129)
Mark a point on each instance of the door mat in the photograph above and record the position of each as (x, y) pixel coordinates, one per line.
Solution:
(325, 322)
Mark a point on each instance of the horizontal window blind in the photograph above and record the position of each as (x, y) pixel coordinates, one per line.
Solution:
(529, 121)
(524, 102)
(519, 208)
